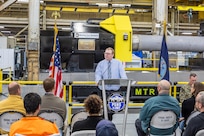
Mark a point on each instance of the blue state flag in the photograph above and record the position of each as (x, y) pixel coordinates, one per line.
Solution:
(164, 61)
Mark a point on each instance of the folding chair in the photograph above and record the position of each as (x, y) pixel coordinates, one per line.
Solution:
(53, 117)
(7, 118)
(200, 133)
(192, 115)
(81, 115)
(162, 123)
(84, 133)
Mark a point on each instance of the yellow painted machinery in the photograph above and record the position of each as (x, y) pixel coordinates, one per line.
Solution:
(82, 47)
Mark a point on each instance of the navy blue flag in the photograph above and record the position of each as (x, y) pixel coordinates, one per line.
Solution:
(164, 61)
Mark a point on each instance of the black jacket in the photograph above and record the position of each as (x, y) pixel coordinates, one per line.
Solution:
(187, 107)
(194, 125)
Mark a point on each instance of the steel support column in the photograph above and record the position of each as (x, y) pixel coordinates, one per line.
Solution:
(160, 14)
(33, 40)
(44, 19)
(172, 20)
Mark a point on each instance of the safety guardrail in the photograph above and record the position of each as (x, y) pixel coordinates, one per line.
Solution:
(173, 91)
(32, 83)
(138, 105)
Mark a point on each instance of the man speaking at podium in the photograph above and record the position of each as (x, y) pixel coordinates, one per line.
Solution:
(109, 68)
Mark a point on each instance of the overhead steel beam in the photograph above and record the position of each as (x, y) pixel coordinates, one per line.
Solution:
(21, 31)
(90, 10)
(138, 27)
(6, 4)
(142, 2)
(2, 34)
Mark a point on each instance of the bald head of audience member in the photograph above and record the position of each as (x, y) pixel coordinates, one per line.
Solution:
(49, 84)
(163, 87)
(200, 101)
(14, 88)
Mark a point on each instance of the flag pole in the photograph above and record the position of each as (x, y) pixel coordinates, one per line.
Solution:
(164, 28)
(55, 14)
(163, 69)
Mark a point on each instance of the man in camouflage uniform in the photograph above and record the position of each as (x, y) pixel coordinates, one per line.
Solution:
(185, 91)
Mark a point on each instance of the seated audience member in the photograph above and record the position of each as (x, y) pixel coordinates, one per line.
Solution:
(50, 102)
(32, 125)
(189, 104)
(161, 102)
(196, 123)
(185, 91)
(14, 102)
(93, 105)
(106, 128)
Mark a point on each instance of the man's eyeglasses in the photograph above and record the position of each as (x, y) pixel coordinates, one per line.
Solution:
(107, 53)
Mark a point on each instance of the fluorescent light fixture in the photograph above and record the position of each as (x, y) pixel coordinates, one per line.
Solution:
(66, 28)
(11, 37)
(141, 10)
(1, 26)
(105, 5)
(186, 33)
(102, 4)
(6, 32)
(121, 5)
(22, 1)
(146, 72)
(26, 1)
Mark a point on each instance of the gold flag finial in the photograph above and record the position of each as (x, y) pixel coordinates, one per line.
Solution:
(56, 15)
(164, 27)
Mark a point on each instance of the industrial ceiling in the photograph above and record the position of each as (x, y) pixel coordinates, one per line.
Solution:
(14, 14)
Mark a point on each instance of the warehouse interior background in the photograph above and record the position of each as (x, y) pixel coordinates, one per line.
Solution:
(184, 18)
(14, 14)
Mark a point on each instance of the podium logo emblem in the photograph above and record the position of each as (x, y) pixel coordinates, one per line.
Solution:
(116, 102)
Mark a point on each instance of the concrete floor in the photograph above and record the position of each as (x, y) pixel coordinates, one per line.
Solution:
(118, 121)
(130, 124)
(117, 118)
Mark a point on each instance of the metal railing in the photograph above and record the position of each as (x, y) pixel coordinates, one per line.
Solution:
(70, 99)
(173, 91)
(29, 83)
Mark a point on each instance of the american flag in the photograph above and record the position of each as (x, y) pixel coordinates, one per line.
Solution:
(55, 70)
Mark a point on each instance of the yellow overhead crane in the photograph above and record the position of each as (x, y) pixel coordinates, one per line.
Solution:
(199, 8)
(90, 10)
(194, 8)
